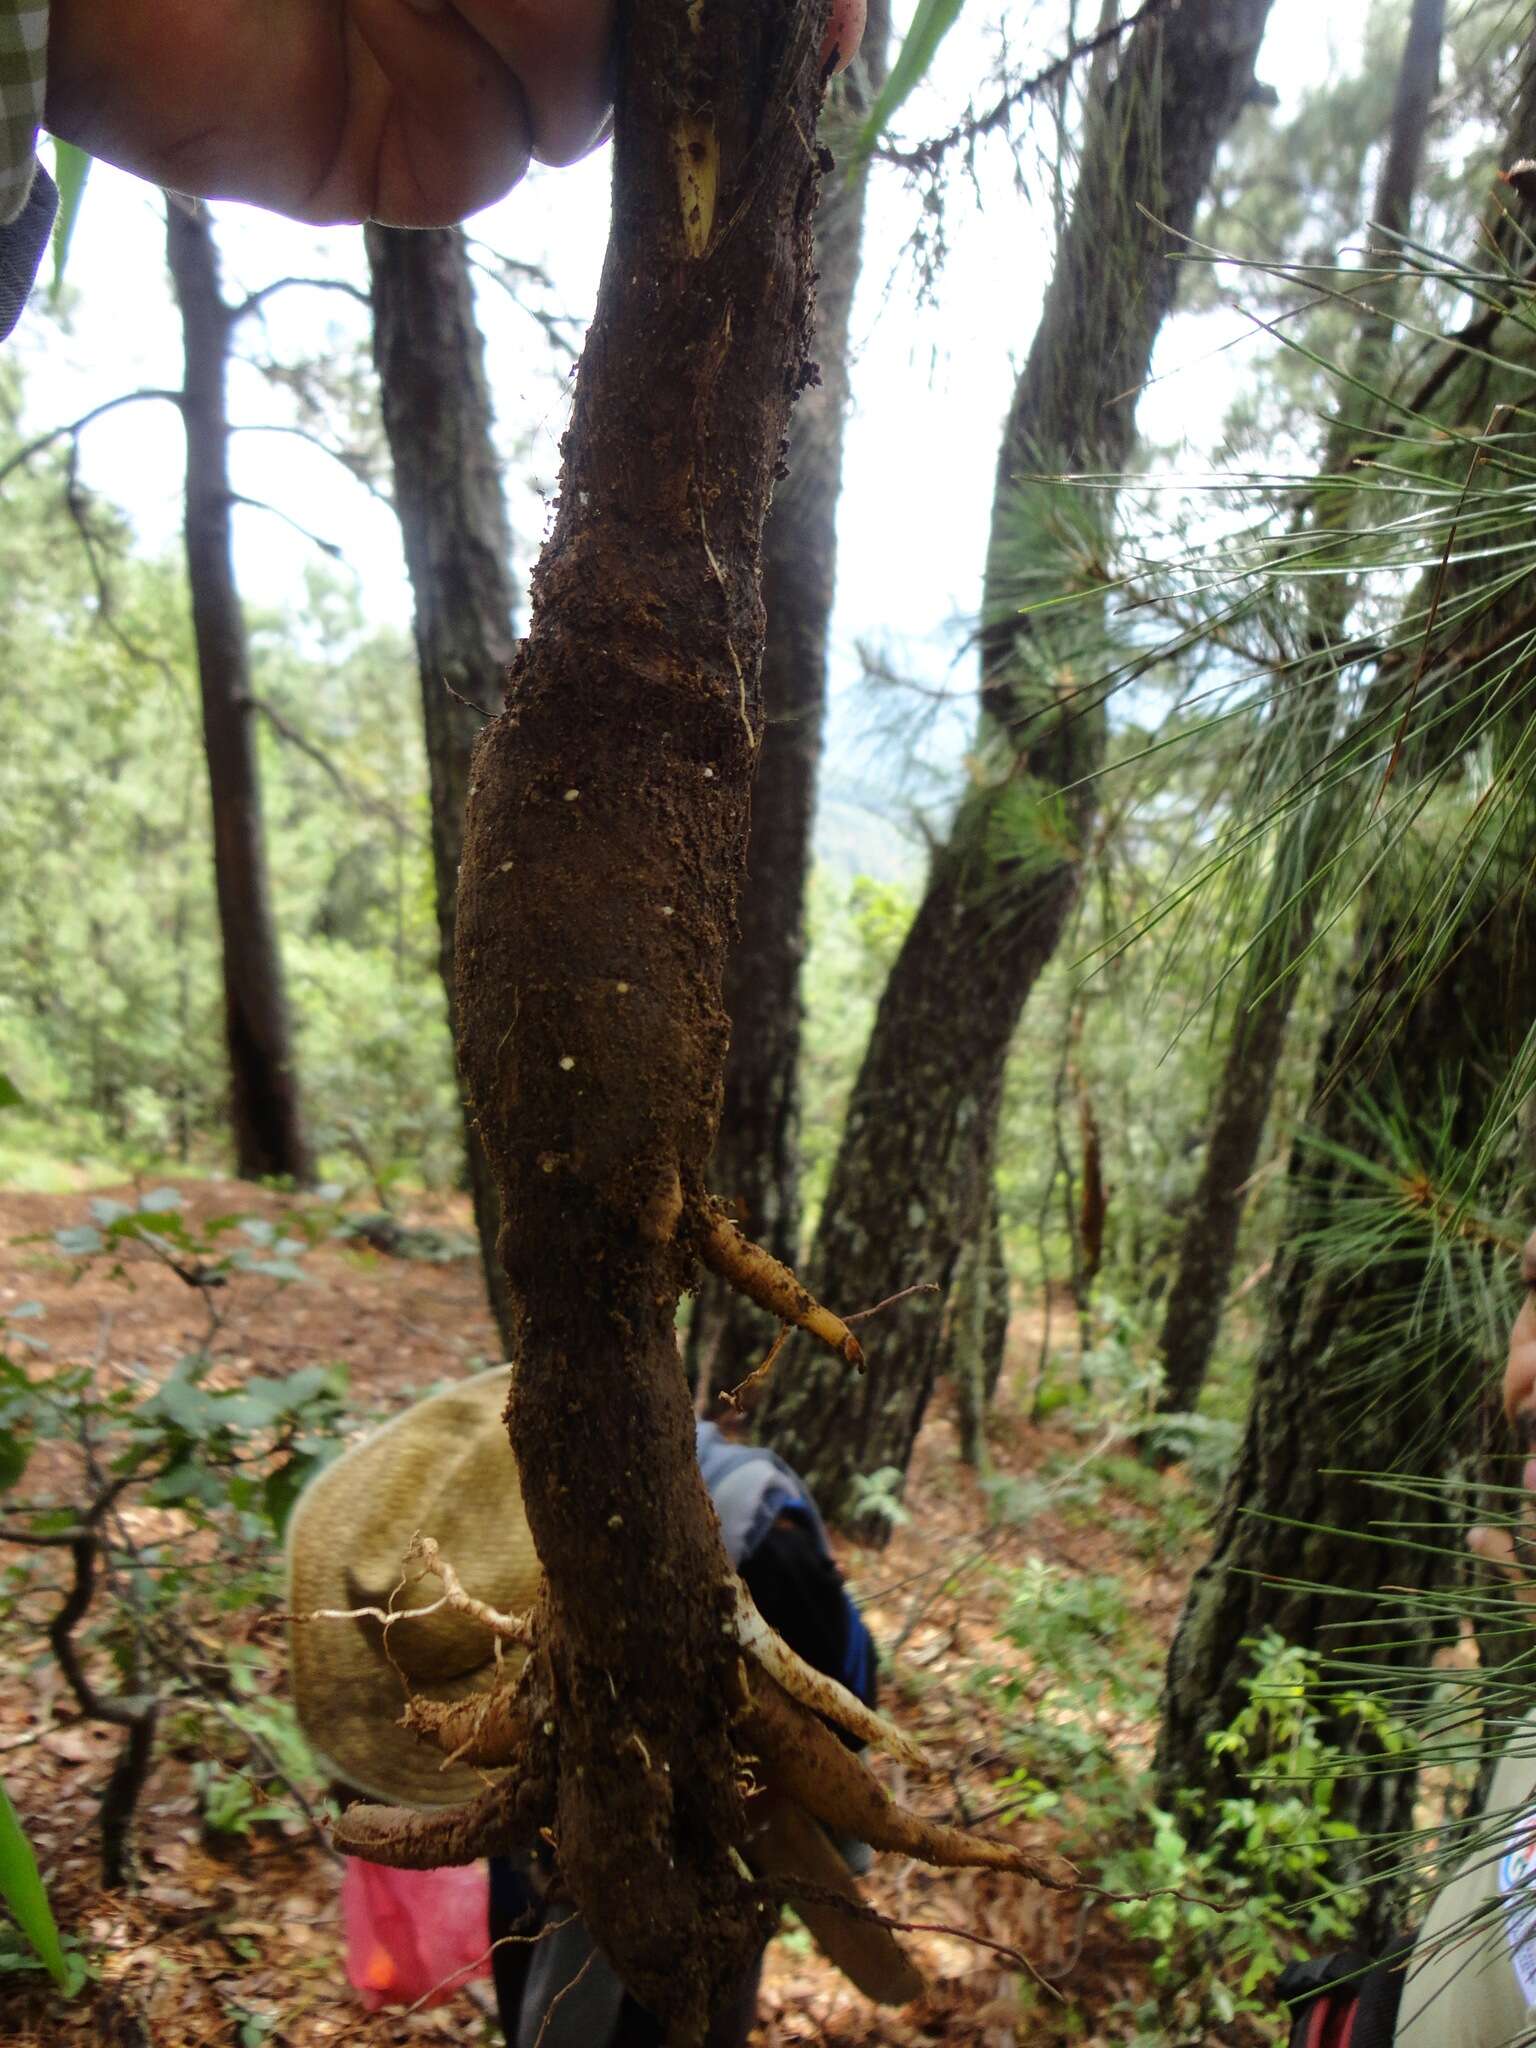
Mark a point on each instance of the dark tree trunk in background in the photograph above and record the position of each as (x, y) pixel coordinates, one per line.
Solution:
(975, 1334)
(912, 1179)
(458, 550)
(1354, 1376)
(264, 1092)
(756, 1164)
(1208, 1247)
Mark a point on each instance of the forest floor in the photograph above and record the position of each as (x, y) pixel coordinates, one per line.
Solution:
(233, 1938)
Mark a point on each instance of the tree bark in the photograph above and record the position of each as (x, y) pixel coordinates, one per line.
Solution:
(1288, 920)
(976, 1332)
(911, 1181)
(756, 1163)
(606, 836)
(1355, 1378)
(264, 1091)
(430, 357)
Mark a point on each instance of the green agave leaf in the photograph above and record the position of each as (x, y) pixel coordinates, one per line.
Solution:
(930, 25)
(10, 1094)
(22, 1890)
(71, 168)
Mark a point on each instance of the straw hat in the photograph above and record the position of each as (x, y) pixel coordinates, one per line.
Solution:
(443, 1469)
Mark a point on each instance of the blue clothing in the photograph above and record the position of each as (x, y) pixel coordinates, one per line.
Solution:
(752, 1489)
(749, 1486)
(22, 242)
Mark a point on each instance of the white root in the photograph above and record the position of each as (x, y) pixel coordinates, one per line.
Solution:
(813, 1689)
(423, 1558)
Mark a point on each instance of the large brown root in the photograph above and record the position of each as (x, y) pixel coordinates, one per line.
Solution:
(405, 1838)
(791, 1846)
(605, 838)
(803, 1760)
(814, 1689)
(489, 1729)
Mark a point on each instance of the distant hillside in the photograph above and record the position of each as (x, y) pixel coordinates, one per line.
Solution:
(868, 831)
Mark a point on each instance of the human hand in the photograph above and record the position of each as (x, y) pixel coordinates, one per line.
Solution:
(1510, 1549)
(415, 112)
(1520, 1370)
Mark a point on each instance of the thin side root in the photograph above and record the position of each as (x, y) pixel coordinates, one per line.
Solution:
(742, 1396)
(423, 1559)
(767, 1281)
(803, 1760)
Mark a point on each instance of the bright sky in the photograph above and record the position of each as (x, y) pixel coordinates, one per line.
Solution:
(931, 385)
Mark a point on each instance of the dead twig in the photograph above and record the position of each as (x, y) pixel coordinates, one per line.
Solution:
(785, 1891)
(927, 156)
(863, 1315)
(736, 1397)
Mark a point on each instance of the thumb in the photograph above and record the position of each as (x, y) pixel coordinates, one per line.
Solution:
(1494, 1546)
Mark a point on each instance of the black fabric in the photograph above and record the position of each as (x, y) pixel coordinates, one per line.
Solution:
(515, 1909)
(1362, 1997)
(22, 243)
(799, 1593)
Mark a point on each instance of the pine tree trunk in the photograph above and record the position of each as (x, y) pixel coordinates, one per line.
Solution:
(976, 1333)
(757, 1161)
(1354, 1377)
(264, 1091)
(1208, 1247)
(606, 837)
(430, 357)
(911, 1182)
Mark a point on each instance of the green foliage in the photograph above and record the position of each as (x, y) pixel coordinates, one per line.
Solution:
(1219, 1922)
(71, 168)
(111, 1013)
(22, 1894)
(1204, 1445)
(876, 1496)
(212, 1467)
(854, 931)
(1292, 202)
(234, 1770)
(1223, 1920)
(1076, 1623)
(190, 1444)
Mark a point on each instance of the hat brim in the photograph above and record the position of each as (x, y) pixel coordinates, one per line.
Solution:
(347, 1693)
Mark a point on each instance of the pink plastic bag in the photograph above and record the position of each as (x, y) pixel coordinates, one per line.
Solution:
(414, 1937)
